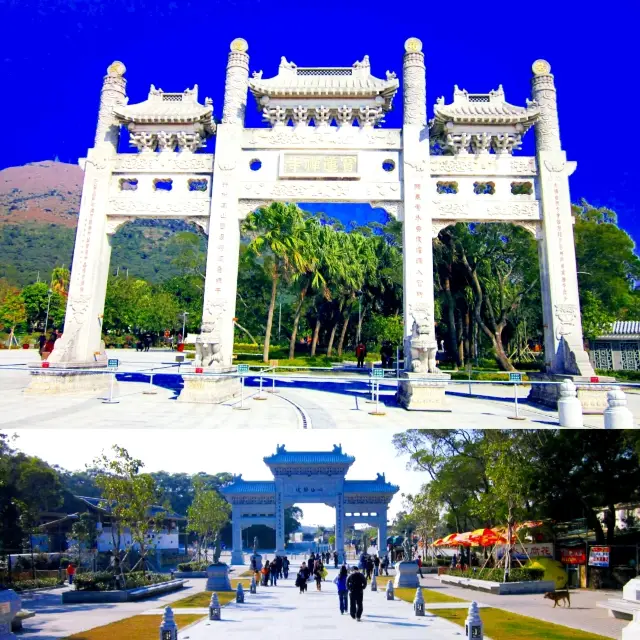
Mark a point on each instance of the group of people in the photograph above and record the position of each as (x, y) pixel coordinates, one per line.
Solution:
(45, 346)
(315, 569)
(353, 585)
(268, 575)
(374, 565)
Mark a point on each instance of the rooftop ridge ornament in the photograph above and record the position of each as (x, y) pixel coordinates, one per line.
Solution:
(480, 122)
(324, 94)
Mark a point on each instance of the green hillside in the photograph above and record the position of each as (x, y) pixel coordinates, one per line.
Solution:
(143, 247)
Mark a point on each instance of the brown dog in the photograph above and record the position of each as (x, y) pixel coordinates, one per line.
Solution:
(557, 596)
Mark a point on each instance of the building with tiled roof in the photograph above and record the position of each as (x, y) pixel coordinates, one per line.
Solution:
(617, 349)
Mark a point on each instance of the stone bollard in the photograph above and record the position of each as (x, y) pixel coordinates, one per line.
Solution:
(168, 626)
(253, 587)
(374, 583)
(239, 593)
(616, 415)
(390, 594)
(569, 407)
(632, 630)
(473, 624)
(418, 602)
(214, 608)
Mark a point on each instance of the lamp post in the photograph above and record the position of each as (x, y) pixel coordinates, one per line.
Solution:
(359, 294)
(184, 323)
(46, 322)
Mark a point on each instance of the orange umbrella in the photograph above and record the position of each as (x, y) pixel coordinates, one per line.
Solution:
(464, 539)
(438, 542)
(449, 540)
(486, 537)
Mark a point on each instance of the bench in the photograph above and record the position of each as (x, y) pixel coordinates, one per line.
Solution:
(620, 608)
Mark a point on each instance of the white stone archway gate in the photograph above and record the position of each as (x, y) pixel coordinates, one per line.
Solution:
(307, 477)
(313, 152)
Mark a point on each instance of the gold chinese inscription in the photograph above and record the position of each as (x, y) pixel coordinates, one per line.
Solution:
(298, 164)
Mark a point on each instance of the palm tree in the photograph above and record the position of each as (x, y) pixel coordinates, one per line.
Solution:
(278, 233)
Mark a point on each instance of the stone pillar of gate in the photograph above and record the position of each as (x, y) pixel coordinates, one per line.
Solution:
(563, 341)
(340, 525)
(237, 557)
(382, 532)
(280, 550)
(423, 388)
(564, 351)
(224, 232)
(81, 343)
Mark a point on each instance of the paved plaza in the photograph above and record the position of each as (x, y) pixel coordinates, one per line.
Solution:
(320, 401)
(285, 613)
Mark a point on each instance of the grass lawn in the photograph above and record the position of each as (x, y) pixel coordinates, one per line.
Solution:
(203, 598)
(138, 627)
(430, 596)
(503, 625)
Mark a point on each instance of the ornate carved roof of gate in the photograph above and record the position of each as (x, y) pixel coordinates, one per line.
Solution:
(379, 485)
(282, 456)
(169, 108)
(328, 82)
(240, 486)
(484, 108)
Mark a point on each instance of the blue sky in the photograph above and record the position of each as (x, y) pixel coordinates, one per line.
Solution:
(55, 52)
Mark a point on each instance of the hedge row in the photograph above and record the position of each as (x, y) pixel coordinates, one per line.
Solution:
(497, 574)
(23, 585)
(107, 581)
(193, 566)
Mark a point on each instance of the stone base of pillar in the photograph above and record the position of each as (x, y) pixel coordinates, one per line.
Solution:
(237, 557)
(593, 399)
(280, 552)
(258, 560)
(68, 380)
(218, 578)
(210, 389)
(406, 575)
(423, 391)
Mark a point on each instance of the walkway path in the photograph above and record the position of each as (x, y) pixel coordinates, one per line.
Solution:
(282, 613)
(54, 620)
(583, 613)
(318, 404)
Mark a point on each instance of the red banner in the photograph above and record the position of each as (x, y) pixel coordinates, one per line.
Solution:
(573, 556)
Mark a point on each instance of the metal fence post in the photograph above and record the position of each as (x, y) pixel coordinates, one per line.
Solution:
(517, 415)
(241, 407)
(110, 400)
(150, 391)
(260, 396)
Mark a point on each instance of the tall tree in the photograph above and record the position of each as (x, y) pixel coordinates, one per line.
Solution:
(277, 233)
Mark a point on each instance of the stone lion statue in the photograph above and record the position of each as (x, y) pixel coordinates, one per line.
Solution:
(423, 344)
(208, 348)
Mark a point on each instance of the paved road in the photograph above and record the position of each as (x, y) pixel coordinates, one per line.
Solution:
(282, 613)
(54, 620)
(583, 613)
(322, 404)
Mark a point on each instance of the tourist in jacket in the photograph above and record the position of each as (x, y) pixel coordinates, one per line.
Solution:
(302, 577)
(341, 582)
(285, 567)
(356, 584)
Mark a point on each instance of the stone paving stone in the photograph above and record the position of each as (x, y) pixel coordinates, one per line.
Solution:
(282, 613)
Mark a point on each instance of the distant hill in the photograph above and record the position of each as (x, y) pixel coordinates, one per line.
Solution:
(39, 206)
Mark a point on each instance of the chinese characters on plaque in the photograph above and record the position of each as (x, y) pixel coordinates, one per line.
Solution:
(312, 164)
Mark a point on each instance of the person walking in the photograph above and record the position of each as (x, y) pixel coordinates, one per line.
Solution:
(335, 559)
(420, 566)
(361, 354)
(285, 567)
(266, 570)
(341, 582)
(384, 565)
(317, 574)
(356, 584)
(302, 577)
(376, 565)
(369, 565)
(273, 572)
(42, 341)
(71, 572)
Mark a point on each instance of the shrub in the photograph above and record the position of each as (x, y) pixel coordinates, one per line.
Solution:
(497, 574)
(193, 566)
(107, 581)
(22, 585)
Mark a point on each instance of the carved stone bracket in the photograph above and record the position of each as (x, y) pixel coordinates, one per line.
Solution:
(200, 221)
(115, 222)
(245, 207)
(533, 227)
(395, 209)
(438, 225)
